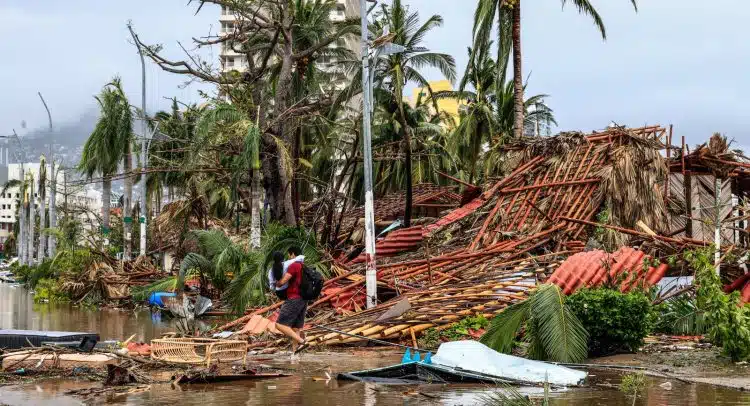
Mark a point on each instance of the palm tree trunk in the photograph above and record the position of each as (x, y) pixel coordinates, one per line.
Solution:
(106, 196)
(42, 223)
(517, 73)
(295, 176)
(255, 209)
(127, 226)
(22, 228)
(53, 207)
(30, 226)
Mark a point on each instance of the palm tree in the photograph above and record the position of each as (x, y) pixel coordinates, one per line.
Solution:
(552, 331)
(487, 116)
(42, 209)
(478, 121)
(30, 201)
(107, 144)
(229, 120)
(394, 72)
(508, 14)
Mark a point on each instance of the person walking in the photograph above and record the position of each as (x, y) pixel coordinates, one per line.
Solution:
(292, 314)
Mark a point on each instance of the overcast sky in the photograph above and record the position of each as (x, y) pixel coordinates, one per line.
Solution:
(679, 62)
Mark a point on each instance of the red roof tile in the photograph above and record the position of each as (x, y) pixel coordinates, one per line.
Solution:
(396, 242)
(594, 268)
(743, 285)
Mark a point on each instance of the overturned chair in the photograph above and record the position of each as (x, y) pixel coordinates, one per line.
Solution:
(198, 350)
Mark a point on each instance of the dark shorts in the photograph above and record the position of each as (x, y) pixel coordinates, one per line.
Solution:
(292, 313)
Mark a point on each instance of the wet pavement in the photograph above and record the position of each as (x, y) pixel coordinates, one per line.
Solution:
(309, 383)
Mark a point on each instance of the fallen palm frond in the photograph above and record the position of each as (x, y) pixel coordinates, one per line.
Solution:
(553, 332)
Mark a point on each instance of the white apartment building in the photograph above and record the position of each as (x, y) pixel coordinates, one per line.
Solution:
(88, 198)
(230, 60)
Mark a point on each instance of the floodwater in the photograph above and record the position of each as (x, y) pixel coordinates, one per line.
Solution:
(18, 311)
(308, 383)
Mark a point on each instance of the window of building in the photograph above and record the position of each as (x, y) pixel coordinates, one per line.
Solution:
(18, 195)
(230, 62)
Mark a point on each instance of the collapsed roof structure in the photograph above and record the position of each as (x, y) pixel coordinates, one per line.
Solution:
(602, 192)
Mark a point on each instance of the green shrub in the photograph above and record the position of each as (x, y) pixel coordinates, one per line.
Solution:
(47, 291)
(681, 316)
(616, 322)
(727, 318)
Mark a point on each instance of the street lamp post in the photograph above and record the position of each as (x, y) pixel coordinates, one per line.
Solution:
(371, 278)
(144, 141)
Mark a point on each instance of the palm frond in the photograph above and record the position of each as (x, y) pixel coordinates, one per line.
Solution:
(247, 288)
(193, 261)
(560, 332)
(141, 293)
(586, 8)
(505, 327)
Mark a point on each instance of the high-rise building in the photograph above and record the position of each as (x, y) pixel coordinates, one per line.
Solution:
(230, 60)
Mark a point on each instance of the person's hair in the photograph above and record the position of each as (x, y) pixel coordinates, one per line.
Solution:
(294, 250)
(278, 265)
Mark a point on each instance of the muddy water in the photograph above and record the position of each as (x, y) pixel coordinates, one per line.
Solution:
(308, 383)
(18, 311)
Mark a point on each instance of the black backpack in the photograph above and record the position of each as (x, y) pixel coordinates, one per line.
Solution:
(311, 284)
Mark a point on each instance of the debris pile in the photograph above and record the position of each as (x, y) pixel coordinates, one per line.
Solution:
(605, 192)
(109, 279)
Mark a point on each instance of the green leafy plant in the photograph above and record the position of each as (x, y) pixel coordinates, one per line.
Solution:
(681, 315)
(462, 329)
(616, 322)
(47, 290)
(552, 330)
(238, 272)
(727, 318)
(633, 385)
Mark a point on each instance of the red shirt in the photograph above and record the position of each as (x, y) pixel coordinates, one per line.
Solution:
(295, 269)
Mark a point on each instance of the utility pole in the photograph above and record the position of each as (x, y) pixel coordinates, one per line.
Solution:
(144, 149)
(371, 275)
(52, 184)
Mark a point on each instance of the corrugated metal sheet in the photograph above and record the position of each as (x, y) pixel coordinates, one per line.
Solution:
(396, 242)
(628, 266)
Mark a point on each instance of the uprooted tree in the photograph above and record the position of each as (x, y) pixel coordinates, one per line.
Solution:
(278, 50)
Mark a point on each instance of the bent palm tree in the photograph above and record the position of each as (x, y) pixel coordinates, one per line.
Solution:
(553, 332)
(508, 14)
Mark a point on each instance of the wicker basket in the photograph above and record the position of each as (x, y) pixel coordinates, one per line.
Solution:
(198, 350)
